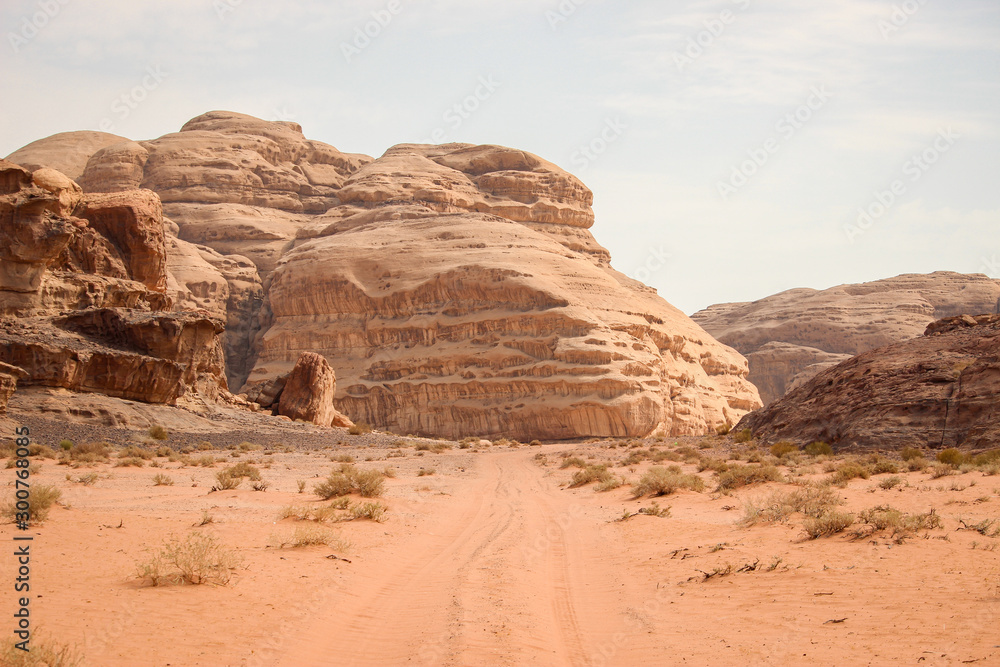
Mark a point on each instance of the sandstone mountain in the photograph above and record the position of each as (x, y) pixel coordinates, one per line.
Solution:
(937, 390)
(454, 290)
(790, 337)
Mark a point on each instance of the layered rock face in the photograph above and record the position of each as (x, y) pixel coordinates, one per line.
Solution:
(456, 290)
(938, 390)
(789, 337)
(308, 392)
(83, 302)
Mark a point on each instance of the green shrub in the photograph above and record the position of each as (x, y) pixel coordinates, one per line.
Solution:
(782, 449)
(849, 470)
(910, 453)
(952, 457)
(745, 475)
(660, 481)
(819, 448)
(65, 445)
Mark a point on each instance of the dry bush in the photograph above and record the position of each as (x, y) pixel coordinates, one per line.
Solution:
(827, 524)
(342, 458)
(985, 460)
(425, 472)
(849, 470)
(609, 484)
(880, 465)
(713, 464)
(910, 453)
(41, 498)
(890, 482)
(85, 453)
(660, 481)
(130, 462)
(370, 510)
(591, 473)
(348, 479)
(435, 447)
(723, 430)
(812, 501)
(157, 432)
(743, 436)
(42, 452)
(745, 475)
(360, 428)
(226, 481)
(573, 461)
(89, 479)
(133, 451)
(162, 480)
(917, 464)
(199, 559)
(941, 470)
(900, 524)
(44, 653)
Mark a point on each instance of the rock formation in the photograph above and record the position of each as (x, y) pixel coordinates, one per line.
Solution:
(9, 375)
(308, 393)
(938, 390)
(789, 337)
(83, 302)
(456, 290)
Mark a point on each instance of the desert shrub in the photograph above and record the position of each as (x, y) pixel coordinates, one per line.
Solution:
(343, 458)
(746, 475)
(44, 653)
(827, 524)
(226, 481)
(42, 451)
(260, 485)
(130, 462)
(723, 430)
(849, 470)
(743, 436)
(685, 452)
(425, 472)
(591, 473)
(660, 481)
(818, 448)
(886, 518)
(919, 463)
(310, 536)
(609, 484)
(891, 482)
(634, 457)
(246, 470)
(360, 428)
(157, 432)
(370, 510)
(880, 465)
(986, 459)
(162, 480)
(89, 479)
(573, 461)
(199, 559)
(301, 483)
(250, 447)
(910, 453)
(783, 448)
(951, 456)
(348, 479)
(135, 452)
(163, 451)
(65, 445)
(90, 452)
(941, 470)
(713, 464)
(813, 501)
(41, 498)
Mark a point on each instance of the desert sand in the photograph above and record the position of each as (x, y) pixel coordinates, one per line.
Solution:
(495, 559)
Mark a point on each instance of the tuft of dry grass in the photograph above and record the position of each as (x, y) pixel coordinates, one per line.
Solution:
(591, 473)
(198, 559)
(162, 480)
(746, 475)
(827, 524)
(660, 481)
(812, 501)
(44, 653)
(349, 479)
(41, 498)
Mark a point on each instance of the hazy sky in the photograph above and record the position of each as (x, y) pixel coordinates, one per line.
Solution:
(730, 144)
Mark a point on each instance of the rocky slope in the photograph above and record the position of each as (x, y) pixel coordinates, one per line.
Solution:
(455, 290)
(790, 337)
(937, 390)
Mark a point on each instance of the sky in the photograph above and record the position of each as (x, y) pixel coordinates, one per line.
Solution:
(736, 148)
